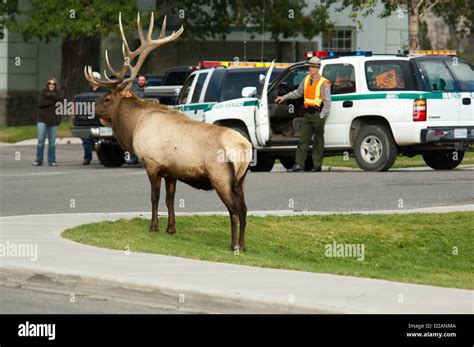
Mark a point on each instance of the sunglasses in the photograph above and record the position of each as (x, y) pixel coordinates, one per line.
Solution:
(52, 83)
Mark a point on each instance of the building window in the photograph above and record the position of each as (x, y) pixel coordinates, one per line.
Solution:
(338, 40)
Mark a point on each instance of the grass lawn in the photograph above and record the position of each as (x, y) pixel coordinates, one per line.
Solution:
(415, 248)
(401, 162)
(25, 132)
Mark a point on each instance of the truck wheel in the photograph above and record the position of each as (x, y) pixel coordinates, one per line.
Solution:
(443, 160)
(374, 148)
(111, 155)
(287, 162)
(263, 165)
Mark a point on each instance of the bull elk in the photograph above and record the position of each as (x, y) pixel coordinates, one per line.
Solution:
(168, 143)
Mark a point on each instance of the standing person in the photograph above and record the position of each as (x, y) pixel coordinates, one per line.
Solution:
(317, 102)
(87, 143)
(48, 122)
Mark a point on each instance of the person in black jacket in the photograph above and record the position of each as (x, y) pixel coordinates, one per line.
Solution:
(48, 122)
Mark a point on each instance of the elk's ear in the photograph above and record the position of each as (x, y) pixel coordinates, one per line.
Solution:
(126, 93)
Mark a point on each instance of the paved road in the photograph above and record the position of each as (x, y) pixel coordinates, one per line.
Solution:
(15, 300)
(72, 187)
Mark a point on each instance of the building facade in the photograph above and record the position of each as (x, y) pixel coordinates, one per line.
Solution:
(25, 66)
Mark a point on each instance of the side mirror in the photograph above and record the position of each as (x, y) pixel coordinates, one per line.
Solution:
(261, 78)
(248, 92)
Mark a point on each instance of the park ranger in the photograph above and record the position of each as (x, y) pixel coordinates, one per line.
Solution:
(317, 101)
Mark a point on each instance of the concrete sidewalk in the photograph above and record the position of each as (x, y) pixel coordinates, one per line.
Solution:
(202, 286)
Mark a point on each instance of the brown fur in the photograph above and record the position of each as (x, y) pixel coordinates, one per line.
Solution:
(173, 146)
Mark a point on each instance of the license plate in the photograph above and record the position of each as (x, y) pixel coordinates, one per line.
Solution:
(105, 131)
(460, 133)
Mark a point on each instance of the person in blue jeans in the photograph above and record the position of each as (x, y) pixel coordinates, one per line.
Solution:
(48, 122)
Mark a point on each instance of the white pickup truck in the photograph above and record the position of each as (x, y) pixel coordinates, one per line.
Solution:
(382, 106)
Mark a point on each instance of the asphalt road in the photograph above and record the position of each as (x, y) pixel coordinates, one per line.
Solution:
(16, 300)
(74, 188)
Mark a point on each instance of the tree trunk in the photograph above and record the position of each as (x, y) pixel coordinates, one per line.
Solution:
(413, 26)
(75, 55)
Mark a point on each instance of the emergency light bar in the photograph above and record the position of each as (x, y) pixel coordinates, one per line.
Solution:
(207, 64)
(331, 54)
(433, 52)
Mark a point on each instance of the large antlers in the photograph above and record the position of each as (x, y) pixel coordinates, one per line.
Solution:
(146, 46)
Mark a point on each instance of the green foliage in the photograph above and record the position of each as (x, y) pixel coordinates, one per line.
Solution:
(72, 19)
(217, 19)
(67, 19)
(451, 10)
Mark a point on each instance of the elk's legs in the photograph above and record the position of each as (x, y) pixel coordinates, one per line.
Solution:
(227, 196)
(170, 190)
(155, 182)
(242, 209)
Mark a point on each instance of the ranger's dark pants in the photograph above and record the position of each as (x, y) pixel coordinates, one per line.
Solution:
(312, 124)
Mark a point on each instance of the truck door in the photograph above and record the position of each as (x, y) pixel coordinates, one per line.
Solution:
(262, 122)
(464, 73)
(443, 104)
(344, 105)
(193, 106)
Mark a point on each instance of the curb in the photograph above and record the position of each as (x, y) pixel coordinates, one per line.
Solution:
(150, 295)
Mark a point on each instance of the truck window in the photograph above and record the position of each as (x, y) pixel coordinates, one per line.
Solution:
(236, 80)
(198, 87)
(175, 78)
(214, 86)
(183, 97)
(342, 77)
(292, 81)
(385, 75)
(464, 74)
(436, 75)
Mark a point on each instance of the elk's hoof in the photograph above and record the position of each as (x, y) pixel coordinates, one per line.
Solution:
(171, 231)
(153, 228)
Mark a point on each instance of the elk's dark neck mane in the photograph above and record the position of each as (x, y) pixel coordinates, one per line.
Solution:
(126, 119)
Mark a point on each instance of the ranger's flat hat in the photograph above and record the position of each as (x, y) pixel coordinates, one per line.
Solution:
(315, 61)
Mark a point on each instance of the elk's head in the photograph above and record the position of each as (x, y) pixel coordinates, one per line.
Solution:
(107, 106)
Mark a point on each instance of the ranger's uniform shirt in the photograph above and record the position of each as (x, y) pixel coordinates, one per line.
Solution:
(325, 93)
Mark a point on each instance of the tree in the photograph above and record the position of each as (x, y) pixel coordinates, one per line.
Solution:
(216, 19)
(78, 23)
(81, 23)
(452, 12)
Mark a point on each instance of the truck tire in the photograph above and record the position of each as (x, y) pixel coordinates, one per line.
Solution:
(287, 162)
(374, 148)
(111, 155)
(263, 165)
(443, 160)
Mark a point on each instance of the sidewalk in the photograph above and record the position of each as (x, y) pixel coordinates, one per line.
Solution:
(203, 286)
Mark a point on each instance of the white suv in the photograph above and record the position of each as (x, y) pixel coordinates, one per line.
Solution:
(382, 106)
